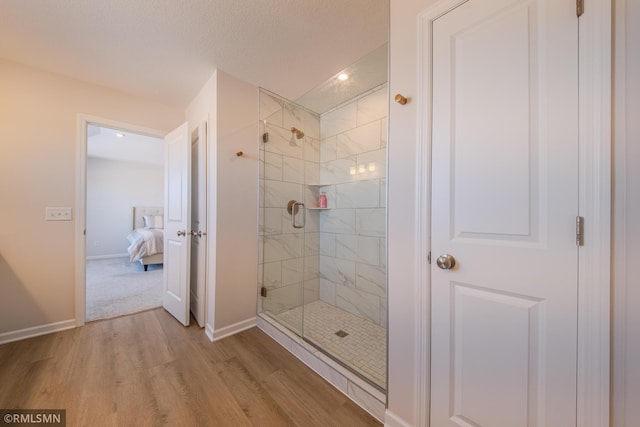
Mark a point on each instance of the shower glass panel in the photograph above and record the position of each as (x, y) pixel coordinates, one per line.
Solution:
(289, 153)
(323, 216)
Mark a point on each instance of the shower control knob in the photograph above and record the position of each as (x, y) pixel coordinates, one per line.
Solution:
(446, 261)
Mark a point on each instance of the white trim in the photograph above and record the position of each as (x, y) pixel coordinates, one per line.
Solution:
(227, 331)
(83, 120)
(212, 222)
(208, 331)
(392, 420)
(595, 206)
(620, 256)
(36, 331)
(423, 206)
(594, 273)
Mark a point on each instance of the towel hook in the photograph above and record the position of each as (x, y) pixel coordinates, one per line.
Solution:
(401, 99)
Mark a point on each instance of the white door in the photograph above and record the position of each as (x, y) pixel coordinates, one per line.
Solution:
(504, 205)
(177, 218)
(198, 220)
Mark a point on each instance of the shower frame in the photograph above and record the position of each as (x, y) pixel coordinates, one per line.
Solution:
(308, 192)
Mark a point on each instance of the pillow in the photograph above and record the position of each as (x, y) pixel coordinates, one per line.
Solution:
(148, 221)
(158, 221)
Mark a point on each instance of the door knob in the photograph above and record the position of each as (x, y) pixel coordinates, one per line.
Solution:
(446, 261)
(181, 233)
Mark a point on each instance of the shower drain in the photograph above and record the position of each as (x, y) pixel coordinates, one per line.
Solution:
(341, 333)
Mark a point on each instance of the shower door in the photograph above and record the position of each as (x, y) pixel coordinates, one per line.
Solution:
(288, 158)
(323, 265)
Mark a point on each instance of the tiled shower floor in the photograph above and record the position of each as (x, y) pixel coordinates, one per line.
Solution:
(364, 349)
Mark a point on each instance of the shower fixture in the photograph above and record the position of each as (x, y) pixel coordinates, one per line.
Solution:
(265, 135)
(299, 134)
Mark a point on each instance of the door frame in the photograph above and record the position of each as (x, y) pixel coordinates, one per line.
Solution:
(82, 121)
(203, 138)
(594, 205)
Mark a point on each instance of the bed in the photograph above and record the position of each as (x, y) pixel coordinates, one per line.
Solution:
(147, 236)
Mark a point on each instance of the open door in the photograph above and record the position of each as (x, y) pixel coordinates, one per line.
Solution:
(198, 220)
(177, 223)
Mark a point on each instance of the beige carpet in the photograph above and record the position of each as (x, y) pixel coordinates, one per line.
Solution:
(116, 287)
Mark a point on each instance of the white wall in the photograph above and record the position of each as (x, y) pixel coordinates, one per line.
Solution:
(236, 130)
(113, 188)
(38, 119)
(231, 108)
(402, 206)
(626, 249)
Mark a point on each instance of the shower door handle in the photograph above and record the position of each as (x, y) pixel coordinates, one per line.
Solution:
(293, 215)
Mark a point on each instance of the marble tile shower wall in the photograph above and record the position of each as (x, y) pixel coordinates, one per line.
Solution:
(288, 259)
(352, 239)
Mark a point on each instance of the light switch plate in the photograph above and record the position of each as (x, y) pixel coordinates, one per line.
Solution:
(58, 214)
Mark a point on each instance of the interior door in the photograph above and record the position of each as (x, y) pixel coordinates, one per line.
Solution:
(177, 241)
(504, 206)
(198, 220)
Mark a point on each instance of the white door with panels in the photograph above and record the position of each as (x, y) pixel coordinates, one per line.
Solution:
(177, 236)
(504, 210)
(198, 221)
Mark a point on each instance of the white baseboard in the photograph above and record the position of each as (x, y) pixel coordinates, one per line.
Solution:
(95, 257)
(227, 331)
(392, 420)
(35, 331)
(208, 331)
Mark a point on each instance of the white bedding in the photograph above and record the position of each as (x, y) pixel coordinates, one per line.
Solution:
(145, 242)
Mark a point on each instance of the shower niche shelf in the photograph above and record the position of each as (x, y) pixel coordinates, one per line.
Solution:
(315, 189)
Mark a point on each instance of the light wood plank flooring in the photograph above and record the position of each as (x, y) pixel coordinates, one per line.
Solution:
(148, 370)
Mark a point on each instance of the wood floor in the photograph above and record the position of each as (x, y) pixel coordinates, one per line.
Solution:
(148, 370)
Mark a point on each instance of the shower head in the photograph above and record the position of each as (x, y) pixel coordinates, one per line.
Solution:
(299, 134)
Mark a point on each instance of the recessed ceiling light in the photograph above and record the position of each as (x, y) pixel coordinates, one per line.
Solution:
(120, 135)
(342, 77)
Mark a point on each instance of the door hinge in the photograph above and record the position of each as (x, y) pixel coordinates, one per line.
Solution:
(579, 231)
(429, 257)
(579, 7)
(263, 292)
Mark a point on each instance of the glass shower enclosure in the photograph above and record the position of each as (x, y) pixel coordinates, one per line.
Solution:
(322, 222)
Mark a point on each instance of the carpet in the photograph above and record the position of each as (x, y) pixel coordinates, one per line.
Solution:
(116, 287)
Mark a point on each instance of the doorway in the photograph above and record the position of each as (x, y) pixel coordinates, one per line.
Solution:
(124, 214)
(504, 206)
(197, 171)
(86, 122)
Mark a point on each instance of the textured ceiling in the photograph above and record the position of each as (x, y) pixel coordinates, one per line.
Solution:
(103, 143)
(165, 50)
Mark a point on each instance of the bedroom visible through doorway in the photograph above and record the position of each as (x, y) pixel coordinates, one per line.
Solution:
(124, 222)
